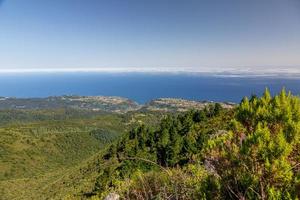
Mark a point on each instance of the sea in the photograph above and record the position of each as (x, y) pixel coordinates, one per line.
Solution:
(143, 87)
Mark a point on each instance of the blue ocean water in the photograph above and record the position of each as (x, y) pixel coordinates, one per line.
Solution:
(141, 87)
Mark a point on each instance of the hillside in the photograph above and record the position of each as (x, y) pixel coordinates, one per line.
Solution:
(35, 148)
(251, 152)
(66, 171)
(38, 147)
(245, 151)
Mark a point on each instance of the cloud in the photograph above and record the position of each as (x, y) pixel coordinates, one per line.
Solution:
(286, 72)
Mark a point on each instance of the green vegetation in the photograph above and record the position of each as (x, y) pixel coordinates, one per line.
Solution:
(30, 149)
(261, 152)
(40, 147)
(159, 154)
(251, 151)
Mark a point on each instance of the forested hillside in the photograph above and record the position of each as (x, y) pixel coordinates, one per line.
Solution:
(251, 152)
(38, 147)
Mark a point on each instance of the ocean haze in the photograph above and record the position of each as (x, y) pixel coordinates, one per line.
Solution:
(219, 71)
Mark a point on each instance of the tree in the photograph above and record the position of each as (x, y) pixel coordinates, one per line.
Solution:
(199, 116)
(217, 109)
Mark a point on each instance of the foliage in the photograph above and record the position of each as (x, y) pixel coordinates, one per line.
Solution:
(170, 183)
(174, 145)
(51, 154)
(259, 158)
(251, 154)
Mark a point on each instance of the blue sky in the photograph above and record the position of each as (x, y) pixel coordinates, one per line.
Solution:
(144, 34)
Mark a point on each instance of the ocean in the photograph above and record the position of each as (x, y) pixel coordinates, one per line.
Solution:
(142, 87)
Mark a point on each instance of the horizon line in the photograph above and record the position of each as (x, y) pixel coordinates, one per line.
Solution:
(217, 71)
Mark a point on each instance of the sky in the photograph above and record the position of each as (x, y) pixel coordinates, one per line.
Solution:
(149, 34)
